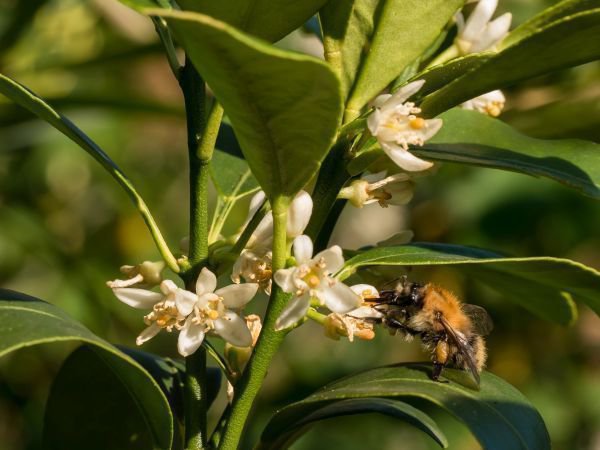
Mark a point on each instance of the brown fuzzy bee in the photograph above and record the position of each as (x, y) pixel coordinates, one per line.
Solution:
(451, 330)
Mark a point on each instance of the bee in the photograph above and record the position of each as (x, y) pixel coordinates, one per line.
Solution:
(450, 330)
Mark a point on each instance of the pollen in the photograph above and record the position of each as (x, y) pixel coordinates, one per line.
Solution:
(417, 123)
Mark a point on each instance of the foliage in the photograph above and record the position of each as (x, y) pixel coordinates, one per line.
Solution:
(295, 123)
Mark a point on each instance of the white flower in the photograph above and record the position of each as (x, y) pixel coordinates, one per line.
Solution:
(169, 307)
(215, 312)
(393, 190)
(491, 103)
(144, 275)
(310, 279)
(395, 125)
(479, 33)
(254, 262)
(359, 322)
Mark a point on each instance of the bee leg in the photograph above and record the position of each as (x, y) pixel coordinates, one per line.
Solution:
(439, 360)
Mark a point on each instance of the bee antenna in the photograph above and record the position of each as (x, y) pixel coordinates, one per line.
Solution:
(392, 281)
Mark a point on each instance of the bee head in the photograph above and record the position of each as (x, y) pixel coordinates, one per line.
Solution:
(411, 294)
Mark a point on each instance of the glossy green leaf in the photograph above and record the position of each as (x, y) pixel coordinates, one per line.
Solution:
(546, 17)
(27, 99)
(169, 374)
(267, 19)
(347, 28)
(27, 321)
(403, 31)
(543, 285)
(564, 43)
(294, 420)
(96, 387)
(469, 137)
(284, 107)
(498, 415)
(441, 75)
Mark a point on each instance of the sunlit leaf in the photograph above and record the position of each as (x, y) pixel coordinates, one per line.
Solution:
(543, 285)
(284, 107)
(404, 29)
(268, 19)
(498, 415)
(564, 43)
(546, 17)
(27, 321)
(294, 420)
(469, 137)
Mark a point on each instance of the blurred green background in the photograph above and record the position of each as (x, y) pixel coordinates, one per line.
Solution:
(65, 227)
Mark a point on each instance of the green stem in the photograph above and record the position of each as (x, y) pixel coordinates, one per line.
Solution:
(332, 177)
(195, 401)
(268, 343)
(448, 54)
(200, 133)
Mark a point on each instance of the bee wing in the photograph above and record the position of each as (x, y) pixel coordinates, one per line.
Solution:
(481, 320)
(463, 346)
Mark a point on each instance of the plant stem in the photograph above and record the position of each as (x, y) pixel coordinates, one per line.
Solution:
(195, 401)
(332, 177)
(268, 343)
(201, 140)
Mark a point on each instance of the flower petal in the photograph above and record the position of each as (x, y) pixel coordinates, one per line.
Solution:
(477, 21)
(168, 287)
(404, 93)
(373, 122)
(405, 159)
(263, 234)
(495, 31)
(235, 296)
(303, 249)
(255, 203)
(333, 258)
(293, 312)
(147, 334)
(365, 291)
(299, 214)
(190, 338)
(365, 312)
(185, 301)
(138, 298)
(339, 298)
(285, 279)
(233, 329)
(206, 282)
(380, 100)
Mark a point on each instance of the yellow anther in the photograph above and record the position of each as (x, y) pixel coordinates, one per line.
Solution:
(213, 315)
(417, 123)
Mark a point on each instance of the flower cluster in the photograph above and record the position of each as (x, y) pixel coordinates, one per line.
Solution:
(396, 125)
(193, 314)
(480, 33)
(254, 262)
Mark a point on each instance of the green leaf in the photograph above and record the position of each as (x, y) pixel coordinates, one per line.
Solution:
(169, 374)
(284, 107)
(546, 17)
(27, 99)
(233, 180)
(347, 27)
(564, 43)
(95, 386)
(469, 137)
(498, 415)
(404, 30)
(231, 176)
(543, 285)
(294, 420)
(27, 321)
(267, 19)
